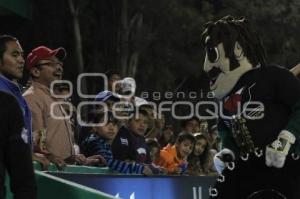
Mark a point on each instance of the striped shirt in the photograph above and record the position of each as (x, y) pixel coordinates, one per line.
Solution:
(96, 145)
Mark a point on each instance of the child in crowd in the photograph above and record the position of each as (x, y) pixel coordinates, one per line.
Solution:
(213, 138)
(106, 97)
(191, 125)
(201, 159)
(130, 144)
(167, 136)
(99, 143)
(154, 149)
(174, 157)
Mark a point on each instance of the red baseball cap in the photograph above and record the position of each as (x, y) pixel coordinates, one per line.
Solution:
(43, 52)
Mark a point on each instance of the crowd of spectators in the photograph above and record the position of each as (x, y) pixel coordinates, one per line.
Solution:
(123, 132)
(143, 143)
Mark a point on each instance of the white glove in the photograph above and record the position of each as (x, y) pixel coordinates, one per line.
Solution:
(278, 150)
(222, 158)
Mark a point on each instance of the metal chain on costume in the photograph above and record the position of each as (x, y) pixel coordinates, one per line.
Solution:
(258, 152)
(230, 165)
(242, 137)
(213, 192)
(294, 156)
(245, 156)
(221, 178)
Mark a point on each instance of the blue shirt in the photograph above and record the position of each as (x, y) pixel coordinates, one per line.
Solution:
(10, 87)
(96, 145)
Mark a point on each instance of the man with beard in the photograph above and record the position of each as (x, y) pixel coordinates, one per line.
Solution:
(259, 122)
(54, 137)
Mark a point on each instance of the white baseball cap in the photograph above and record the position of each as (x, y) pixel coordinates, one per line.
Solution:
(128, 85)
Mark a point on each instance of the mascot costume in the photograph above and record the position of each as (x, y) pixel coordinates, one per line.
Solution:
(259, 115)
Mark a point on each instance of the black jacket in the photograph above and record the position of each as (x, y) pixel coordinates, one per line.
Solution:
(129, 146)
(15, 154)
(278, 90)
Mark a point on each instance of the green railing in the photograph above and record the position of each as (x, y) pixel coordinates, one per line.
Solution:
(74, 169)
(51, 187)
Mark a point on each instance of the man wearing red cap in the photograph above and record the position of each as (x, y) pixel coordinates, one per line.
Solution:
(55, 137)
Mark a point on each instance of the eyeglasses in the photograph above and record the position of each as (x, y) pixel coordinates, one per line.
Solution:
(51, 64)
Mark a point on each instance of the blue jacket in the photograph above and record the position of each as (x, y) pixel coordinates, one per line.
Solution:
(96, 145)
(11, 88)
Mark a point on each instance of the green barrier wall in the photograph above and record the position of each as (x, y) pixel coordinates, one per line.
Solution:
(50, 187)
(80, 182)
(8, 193)
(75, 169)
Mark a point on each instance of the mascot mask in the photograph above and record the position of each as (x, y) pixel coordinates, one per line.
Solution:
(229, 46)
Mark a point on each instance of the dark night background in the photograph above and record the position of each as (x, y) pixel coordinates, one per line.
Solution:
(155, 41)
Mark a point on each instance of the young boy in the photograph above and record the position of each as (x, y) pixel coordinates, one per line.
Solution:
(174, 157)
(99, 143)
(130, 144)
(191, 125)
(154, 149)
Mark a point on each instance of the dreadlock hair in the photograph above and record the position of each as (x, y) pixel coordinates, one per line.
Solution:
(229, 30)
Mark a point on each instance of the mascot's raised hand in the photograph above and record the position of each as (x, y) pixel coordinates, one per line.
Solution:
(277, 151)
